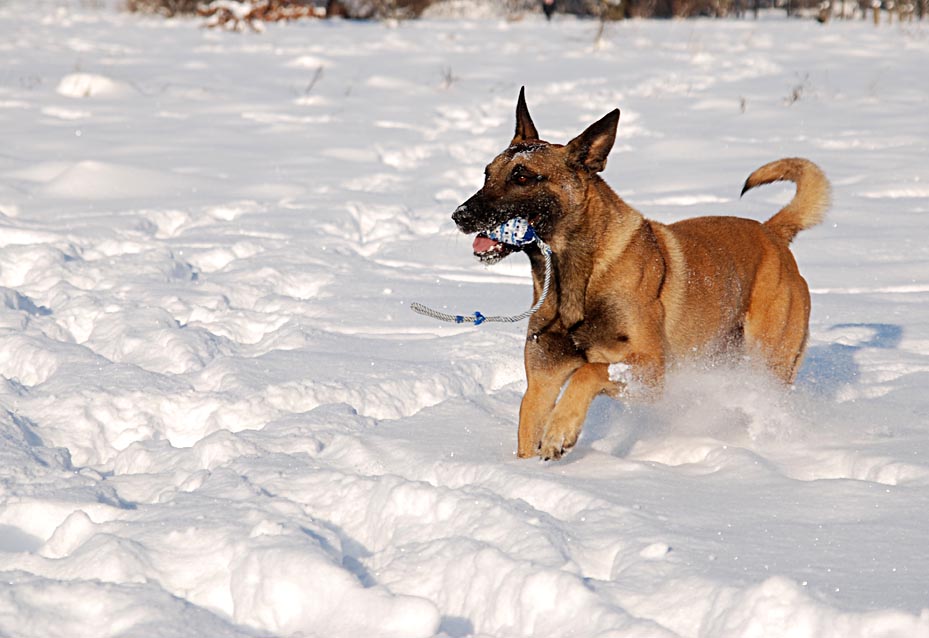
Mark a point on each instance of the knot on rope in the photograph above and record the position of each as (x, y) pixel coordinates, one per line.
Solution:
(477, 319)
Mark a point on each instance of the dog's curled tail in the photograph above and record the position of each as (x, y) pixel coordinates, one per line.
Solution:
(809, 205)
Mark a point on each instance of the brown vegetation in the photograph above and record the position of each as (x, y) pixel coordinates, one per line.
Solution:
(164, 7)
(226, 16)
(240, 14)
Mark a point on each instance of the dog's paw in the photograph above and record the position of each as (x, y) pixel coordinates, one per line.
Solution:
(529, 452)
(554, 445)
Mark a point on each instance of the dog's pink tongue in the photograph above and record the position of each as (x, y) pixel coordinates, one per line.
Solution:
(483, 244)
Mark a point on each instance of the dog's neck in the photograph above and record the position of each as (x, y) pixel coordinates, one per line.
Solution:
(601, 214)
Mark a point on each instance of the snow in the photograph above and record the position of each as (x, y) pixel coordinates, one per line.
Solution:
(220, 418)
(80, 85)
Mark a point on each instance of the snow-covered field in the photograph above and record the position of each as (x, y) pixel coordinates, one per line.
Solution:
(220, 418)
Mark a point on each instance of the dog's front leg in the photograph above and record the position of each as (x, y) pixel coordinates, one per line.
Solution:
(566, 420)
(537, 404)
(550, 358)
(647, 361)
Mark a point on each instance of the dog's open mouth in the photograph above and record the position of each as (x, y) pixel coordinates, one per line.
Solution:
(490, 251)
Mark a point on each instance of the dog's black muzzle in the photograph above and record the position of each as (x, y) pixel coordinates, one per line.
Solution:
(471, 216)
(464, 219)
(475, 216)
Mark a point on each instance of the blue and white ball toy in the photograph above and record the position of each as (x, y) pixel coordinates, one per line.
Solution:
(515, 232)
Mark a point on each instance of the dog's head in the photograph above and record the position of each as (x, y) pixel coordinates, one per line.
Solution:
(542, 182)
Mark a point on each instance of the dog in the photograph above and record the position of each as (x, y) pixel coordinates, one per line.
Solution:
(630, 290)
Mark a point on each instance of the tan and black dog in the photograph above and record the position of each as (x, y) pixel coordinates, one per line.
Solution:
(630, 290)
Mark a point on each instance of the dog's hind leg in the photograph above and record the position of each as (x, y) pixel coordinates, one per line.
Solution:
(780, 346)
(777, 326)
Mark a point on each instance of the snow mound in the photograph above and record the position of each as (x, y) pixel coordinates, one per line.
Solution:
(779, 607)
(85, 85)
(281, 588)
(94, 180)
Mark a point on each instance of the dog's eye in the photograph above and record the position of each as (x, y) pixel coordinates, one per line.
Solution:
(521, 177)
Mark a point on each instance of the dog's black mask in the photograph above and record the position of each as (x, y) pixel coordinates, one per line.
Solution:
(481, 214)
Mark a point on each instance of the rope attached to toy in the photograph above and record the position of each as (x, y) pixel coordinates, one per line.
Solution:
(515, 232)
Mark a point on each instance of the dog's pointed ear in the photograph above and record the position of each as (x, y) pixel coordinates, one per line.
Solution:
(525, 129)
(590, 149)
